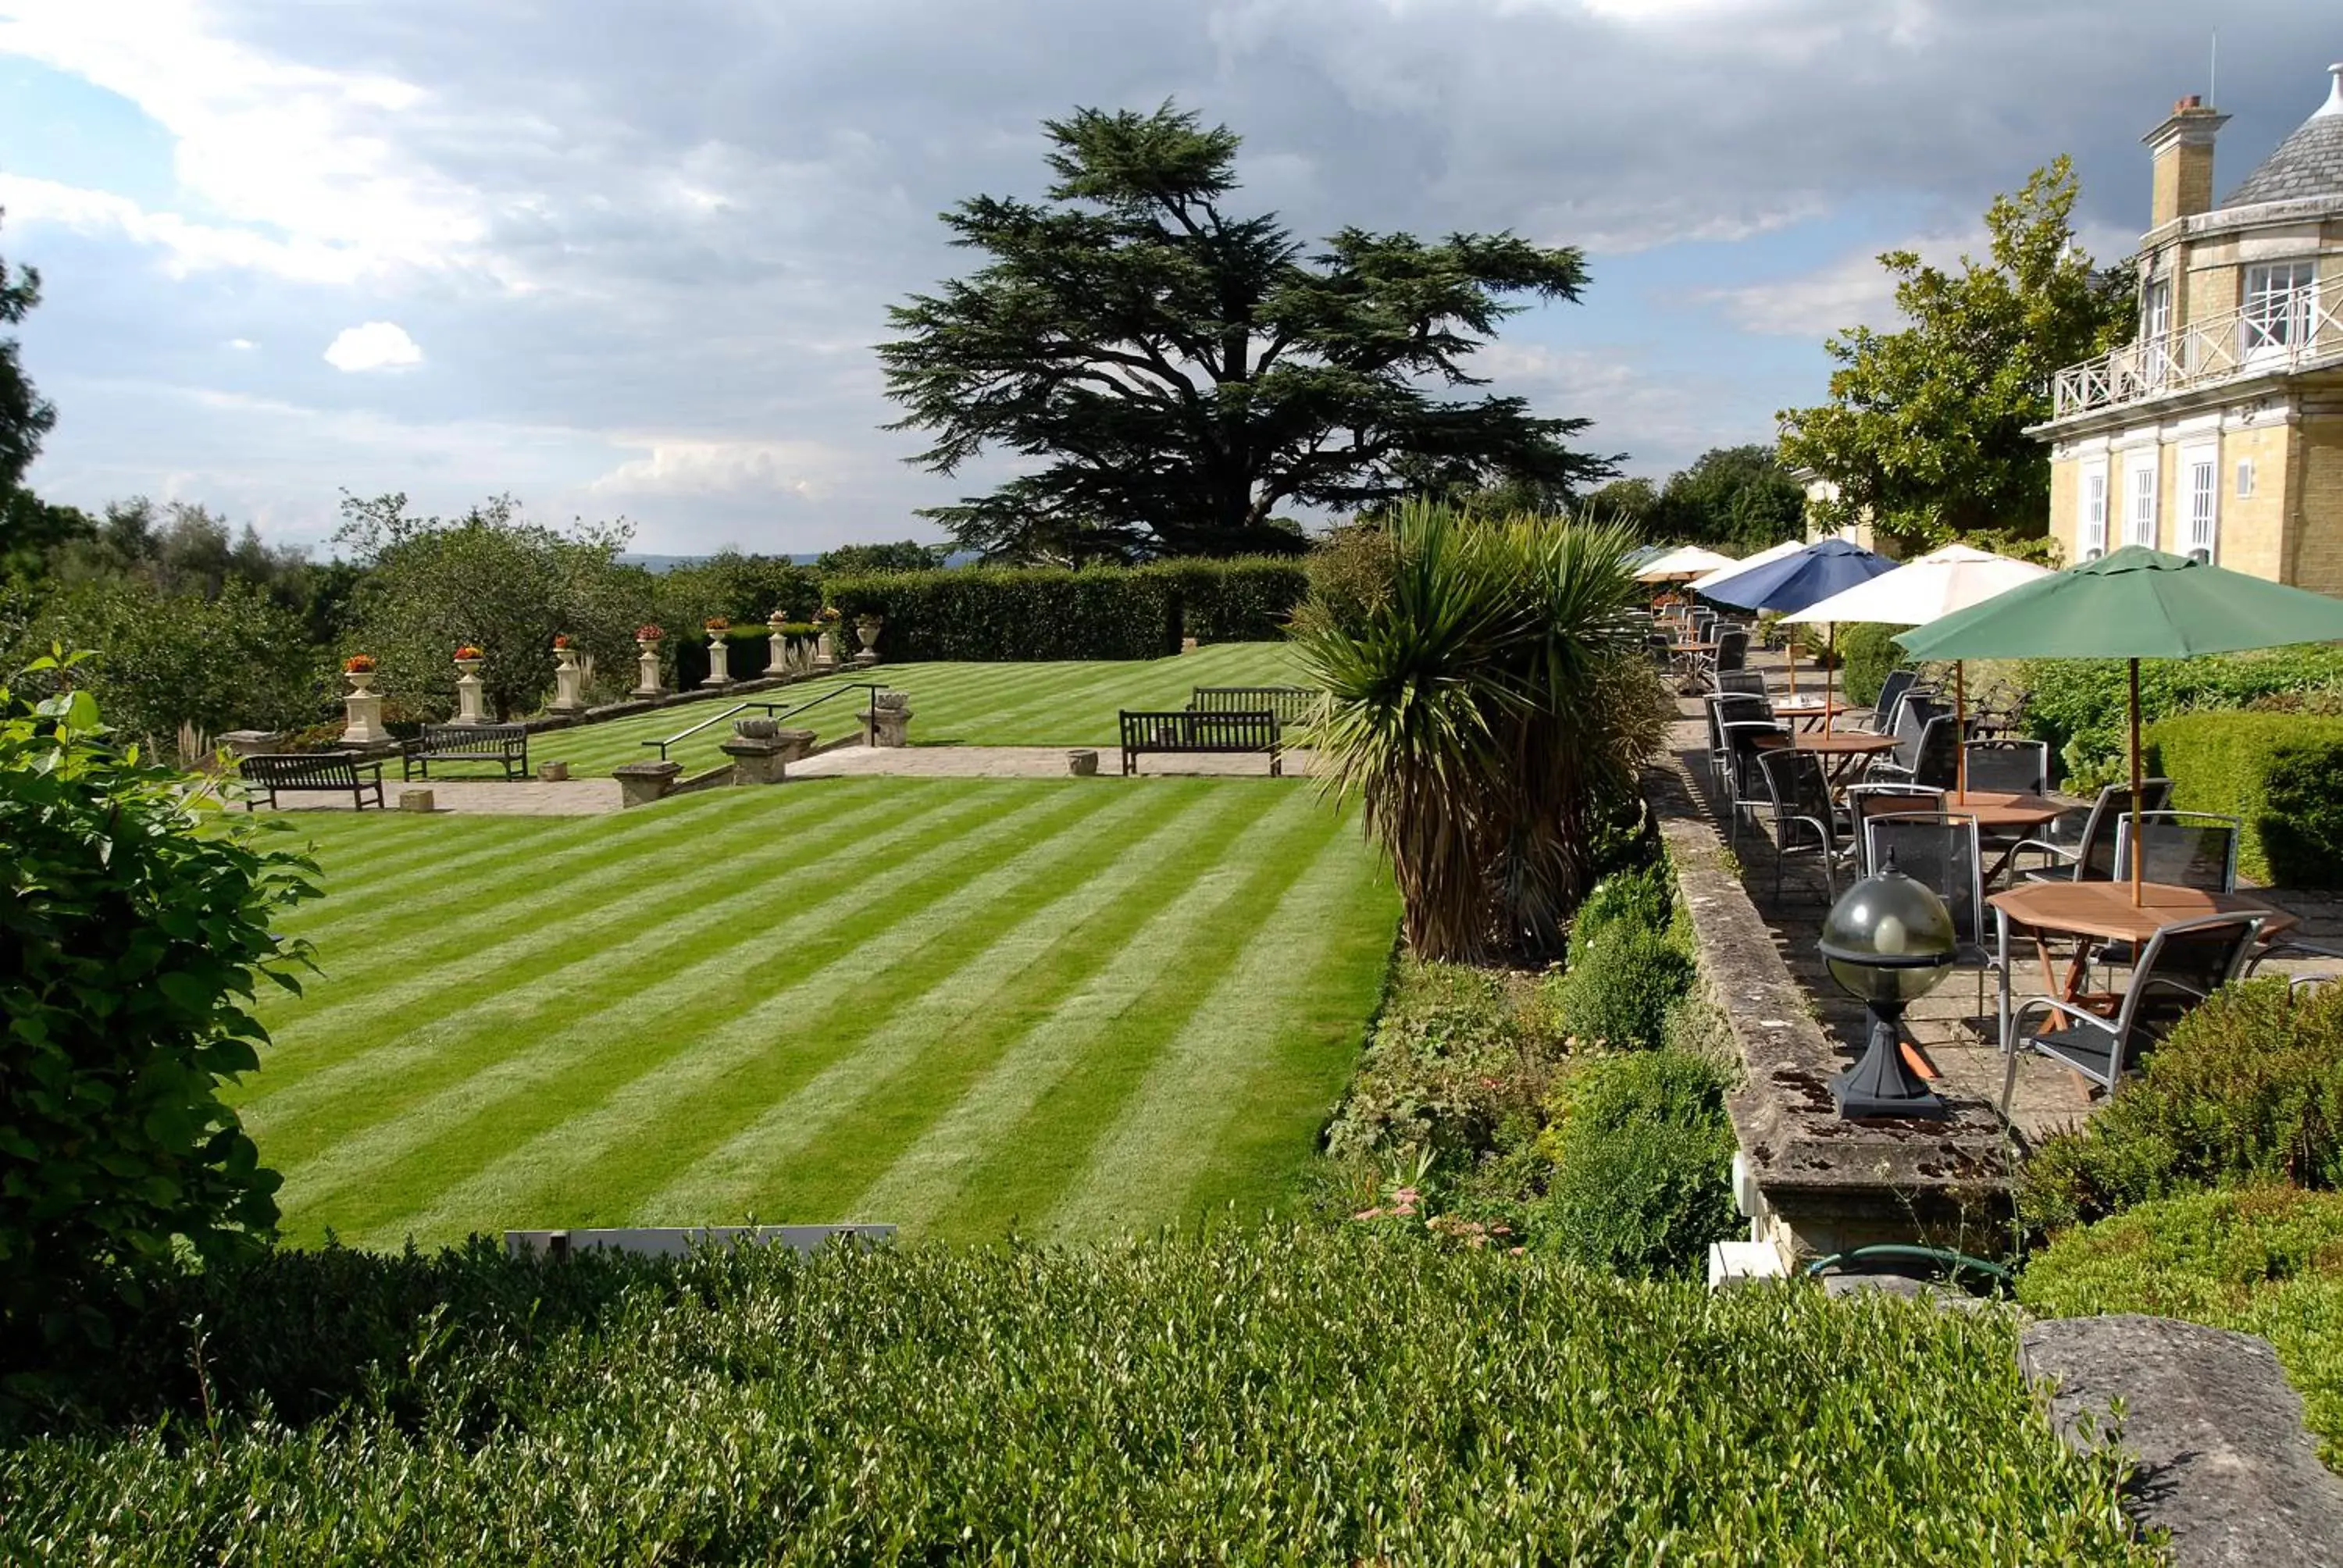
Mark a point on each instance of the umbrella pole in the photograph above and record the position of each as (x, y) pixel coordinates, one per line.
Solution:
(1960, 731)
(2137, 857)
(1830, 656)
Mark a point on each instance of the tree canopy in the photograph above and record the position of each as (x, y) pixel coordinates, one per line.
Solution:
(1924, 432)
(1172, 372)
(1738, 499)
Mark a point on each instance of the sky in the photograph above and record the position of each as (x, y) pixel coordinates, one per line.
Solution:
(628, 259)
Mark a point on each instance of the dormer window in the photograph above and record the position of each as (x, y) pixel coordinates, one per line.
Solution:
(2277, 303)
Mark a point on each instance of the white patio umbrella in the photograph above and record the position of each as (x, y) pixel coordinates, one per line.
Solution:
(1726, 574)
(1683, 561)
(1923, 590)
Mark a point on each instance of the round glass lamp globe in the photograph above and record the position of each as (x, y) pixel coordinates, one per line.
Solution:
(1889, 938)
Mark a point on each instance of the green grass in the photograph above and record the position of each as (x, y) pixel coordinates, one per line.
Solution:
(957, 1005)
(1070, 703)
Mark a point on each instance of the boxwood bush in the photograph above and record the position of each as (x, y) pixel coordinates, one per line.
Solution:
(1641, 1147)
(2281, 774)
(2080, 705)
(1003, 613)
(1866, 653)
(1321, 1397)
(1628, 962)
(2263, 1261)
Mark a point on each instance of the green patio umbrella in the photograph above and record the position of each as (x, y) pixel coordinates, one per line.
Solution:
(2134, 604)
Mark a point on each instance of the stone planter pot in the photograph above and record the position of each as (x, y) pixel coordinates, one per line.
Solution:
(362, 711)
(866, 631)
(777, 663)
(468, 687)
(719, 661)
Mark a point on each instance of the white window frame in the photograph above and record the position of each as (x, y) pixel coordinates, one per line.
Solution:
(2091, 499)
(2245, 479)
(2196, 522)
(2275, 305)
(2139, 496)
(2155, 328)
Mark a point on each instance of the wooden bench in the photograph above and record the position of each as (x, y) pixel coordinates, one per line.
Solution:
(1188, 731)
(1291, 704)
(309, 772)
(507, 745)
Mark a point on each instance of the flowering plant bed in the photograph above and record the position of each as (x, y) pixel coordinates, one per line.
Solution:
(358, 664)
(827, 615)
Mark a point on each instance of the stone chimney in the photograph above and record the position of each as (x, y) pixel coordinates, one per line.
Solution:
(2182, 149)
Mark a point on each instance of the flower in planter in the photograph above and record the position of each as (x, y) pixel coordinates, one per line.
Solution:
(358, 664)
(717, 623)
(561, 640)
(469, 651)
(648, 634)
(828, 615)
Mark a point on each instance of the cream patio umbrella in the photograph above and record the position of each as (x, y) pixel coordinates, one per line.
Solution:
(1928, 588)
(1681, 564)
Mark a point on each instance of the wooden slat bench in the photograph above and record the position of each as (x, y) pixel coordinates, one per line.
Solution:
(1190, 732)
(507, 745)
(1291, 704)
(309, 772)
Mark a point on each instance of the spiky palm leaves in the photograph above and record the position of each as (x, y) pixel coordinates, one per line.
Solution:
(1487, 708)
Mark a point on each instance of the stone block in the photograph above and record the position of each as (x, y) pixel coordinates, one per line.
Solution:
(797, 745)
(640, 783)
(416, 800)
(553, 772)
(1083, 764)
(755, 759)
(249, 742)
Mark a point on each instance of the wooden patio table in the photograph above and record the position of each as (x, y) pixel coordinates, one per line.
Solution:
(1844, 747)
(2099, 911)
(2000, 810)
(1812, 712)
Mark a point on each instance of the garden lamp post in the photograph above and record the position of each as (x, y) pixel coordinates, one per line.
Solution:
(1888, 941)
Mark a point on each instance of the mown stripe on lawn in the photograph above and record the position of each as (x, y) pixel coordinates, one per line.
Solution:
(1169, 1133)
(868, 1107)
(706, 1088)
(335, 1042)
(579, 1042)
(1021, 1129)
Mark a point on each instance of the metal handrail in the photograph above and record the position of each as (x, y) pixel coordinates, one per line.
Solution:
(740, 707)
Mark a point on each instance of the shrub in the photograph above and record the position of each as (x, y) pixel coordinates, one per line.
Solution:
(1640, 1149)
(2080, 705)
(2246, 1088)
(999, 613)
(1246, 598)
(2280, 773)
(1620, 984)
(2262, 1260)
(1641, 897)
(130, 940)
(1866, 653)
(1282, 1396)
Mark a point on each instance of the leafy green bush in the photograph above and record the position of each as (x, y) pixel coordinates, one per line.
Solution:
(1866, 653)
(2247, 1089)
(1642, 897)
(1620, 984)
(130, 940)
(1242, 1397)
(2080, 705)
(1242, 599)
(2263, 1261)
(2280, 773)
(997, 613)
(1641, 1147)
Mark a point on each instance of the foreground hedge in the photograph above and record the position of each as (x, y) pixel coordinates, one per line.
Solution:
(990, 614)
(1321, 1397)
(2280, 773)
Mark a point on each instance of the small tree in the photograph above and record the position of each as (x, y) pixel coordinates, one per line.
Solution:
(1739, 499)
(1925, 434)
(131, 936)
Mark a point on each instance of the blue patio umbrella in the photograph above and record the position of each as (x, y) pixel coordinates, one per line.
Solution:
(1789, 584)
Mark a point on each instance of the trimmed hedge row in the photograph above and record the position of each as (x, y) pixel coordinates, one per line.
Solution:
(1279, 1397)
(2280, 773)
(993, 614)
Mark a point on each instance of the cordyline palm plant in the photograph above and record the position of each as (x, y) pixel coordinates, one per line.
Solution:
(1489, 706)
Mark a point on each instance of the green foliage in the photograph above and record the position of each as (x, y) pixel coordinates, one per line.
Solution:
(130, 940)
(488, 579)
(25, 415)
(744, 589)
(2246, 1088)
(1017, 613)
(1244, 1397)
(1627, 502)
(1866, 653)
(2262, 1260)
(1492, 710)
(1640, 1149)
(2281, 774)
(1620, 984)
(2081, 706)
(1738, 499)
(1642, 897)
(861, 560)
(1925, 435)
(32, 530)
(1182, 373)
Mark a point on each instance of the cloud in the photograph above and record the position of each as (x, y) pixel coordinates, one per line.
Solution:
(374, 346)
(720, 468)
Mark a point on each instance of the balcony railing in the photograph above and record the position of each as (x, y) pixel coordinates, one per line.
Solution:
(2303, 331)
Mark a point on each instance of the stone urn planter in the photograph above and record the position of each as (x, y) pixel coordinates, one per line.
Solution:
(647, 662)
(362, 711)
(569, 681)
(468, 687)
(866, 631)
(777, 663)
(719, 655)
(887, 722)
(825, 649)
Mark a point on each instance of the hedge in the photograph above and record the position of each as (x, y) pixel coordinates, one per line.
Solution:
(990, 614)
(1866, 653)
(1246, 1397)
(751, 646)
(2280, 773)
(2079, 705)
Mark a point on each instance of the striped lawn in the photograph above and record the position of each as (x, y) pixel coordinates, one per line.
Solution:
(1067, 704)
(1071, 1009)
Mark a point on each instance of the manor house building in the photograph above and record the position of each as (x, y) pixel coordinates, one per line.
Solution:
(2218, 431)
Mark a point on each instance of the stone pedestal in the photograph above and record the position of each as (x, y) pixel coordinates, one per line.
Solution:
(553, 772)
(362, 724)
(416, 800)
(866, 631)
(468, 687)
(719, 661)
(825, 654)
(568, 683)
(777, 663)
(640, 783)
(887, 721)
(647, 660)
(755, 759)
(249, 742)
(1083, 764)
(797, 745)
